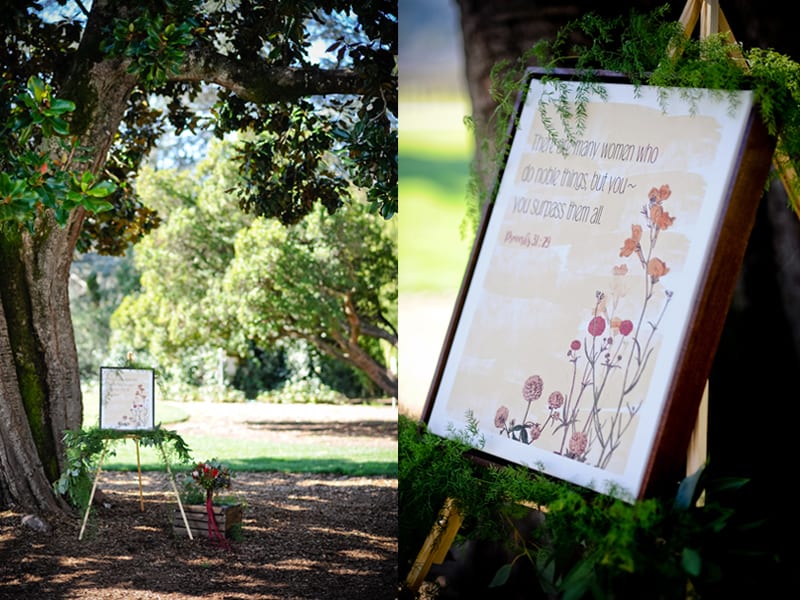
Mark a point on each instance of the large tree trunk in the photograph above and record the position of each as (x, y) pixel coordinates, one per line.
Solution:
(40, 394)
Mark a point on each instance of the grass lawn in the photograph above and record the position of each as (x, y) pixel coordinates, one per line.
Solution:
(303, 455)
(258, 455)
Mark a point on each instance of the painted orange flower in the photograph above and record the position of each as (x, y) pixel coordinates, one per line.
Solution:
(659, 194)
(631, 244)
(657, 268)
(660, 218)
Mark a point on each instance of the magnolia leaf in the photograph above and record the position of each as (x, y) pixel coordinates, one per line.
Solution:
(37, 87)
(501, 577)
(691, 561)
(689, 490)
(59, 106)
(60, 126)
(102, 189)
(96, 206)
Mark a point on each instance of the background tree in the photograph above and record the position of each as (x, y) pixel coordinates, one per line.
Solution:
(190, 313)
(131, 70)
(758, 353)
(331, 281)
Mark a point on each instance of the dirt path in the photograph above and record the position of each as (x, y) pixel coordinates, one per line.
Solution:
(304, 537)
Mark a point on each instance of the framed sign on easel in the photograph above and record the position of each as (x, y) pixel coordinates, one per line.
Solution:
(597, 288)
(127, 404)
(481, 338)
(127, 398)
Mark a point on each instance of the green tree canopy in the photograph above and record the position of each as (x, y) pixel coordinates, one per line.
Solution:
(214, 277)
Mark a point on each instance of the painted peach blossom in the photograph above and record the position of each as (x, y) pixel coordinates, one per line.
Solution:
(657, 268)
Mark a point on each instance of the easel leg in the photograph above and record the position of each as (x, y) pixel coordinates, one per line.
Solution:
(177, 494)
(438, 542)
(94, 487)
(139, 468)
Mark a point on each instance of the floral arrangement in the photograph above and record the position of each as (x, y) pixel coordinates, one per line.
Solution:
(211, 475)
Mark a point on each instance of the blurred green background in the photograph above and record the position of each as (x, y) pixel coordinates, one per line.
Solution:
(435, 155)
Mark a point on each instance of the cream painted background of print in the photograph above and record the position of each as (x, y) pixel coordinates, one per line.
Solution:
(552, 263)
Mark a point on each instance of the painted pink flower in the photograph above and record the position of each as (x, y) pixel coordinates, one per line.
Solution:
(575, 345)
(626, 326)
(532, 390)
(536, 431)
(501, 417)
(555, 400)
(578, 443)
(597, 326)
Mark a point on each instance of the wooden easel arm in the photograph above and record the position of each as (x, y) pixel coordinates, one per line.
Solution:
(436, 545)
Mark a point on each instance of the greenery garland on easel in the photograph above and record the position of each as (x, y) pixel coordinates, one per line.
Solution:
(650, 49)
(84, 447)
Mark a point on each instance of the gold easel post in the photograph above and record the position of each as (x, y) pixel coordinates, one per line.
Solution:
(438, 542)
(139, 470)
(175, 489)
(94, 487)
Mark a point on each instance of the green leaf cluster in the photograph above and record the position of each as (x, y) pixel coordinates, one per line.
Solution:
(154, 44)
(586, 545)
(36, 154)
(84, 448)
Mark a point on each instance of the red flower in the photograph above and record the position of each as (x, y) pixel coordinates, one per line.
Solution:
(625, 327)
(575, 345)
(597, 326)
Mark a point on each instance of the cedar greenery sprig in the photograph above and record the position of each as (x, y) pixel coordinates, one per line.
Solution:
(84, 447)
(585, 543)
(650, 49)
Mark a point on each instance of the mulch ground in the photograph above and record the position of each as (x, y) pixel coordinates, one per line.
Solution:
(303, 537)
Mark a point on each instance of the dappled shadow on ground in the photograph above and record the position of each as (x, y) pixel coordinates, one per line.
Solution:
(304, 537)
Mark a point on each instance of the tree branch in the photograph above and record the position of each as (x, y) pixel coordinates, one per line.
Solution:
(261, 83)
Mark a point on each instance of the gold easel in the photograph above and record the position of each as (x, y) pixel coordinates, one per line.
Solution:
(135, 438)
(713, 21)
(443, 533)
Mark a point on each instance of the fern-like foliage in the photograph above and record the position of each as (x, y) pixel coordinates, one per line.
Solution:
(587, 545)
(648, 48)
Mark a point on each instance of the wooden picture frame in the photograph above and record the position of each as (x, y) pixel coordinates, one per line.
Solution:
(598, 284)
(127, 399)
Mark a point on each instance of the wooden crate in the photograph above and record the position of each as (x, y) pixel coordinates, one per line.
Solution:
(226, 515)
